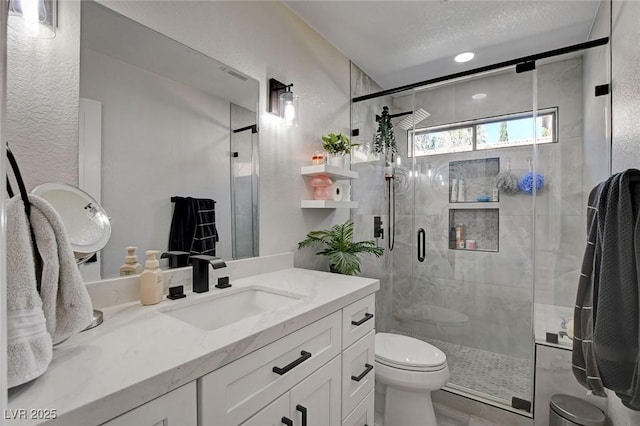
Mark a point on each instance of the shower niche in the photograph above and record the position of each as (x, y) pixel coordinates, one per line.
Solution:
(473, 181)
(480, 229)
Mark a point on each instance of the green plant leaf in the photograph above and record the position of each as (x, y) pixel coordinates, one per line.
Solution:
(340, 248)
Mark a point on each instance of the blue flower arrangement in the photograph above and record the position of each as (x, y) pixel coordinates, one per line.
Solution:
(527, 181)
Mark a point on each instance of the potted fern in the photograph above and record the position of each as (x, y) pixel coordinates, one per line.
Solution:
(337, 146)
(340, 248)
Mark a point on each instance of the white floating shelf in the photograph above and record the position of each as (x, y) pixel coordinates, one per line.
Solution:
(331, 171)
(328, 204)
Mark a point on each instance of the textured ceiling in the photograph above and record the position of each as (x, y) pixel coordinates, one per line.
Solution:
(402, 42)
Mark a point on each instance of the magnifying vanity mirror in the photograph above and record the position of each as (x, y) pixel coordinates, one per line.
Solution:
(85, 221)
(157, 120)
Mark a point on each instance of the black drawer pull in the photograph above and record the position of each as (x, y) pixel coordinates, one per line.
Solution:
(366, 318)
(303, 410)
(304, 355)
(368, 368)
(287, 421)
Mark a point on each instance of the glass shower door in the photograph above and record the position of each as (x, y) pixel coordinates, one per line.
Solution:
(469, 287)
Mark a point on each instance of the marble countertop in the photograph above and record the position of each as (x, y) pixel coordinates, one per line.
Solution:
(140, 353)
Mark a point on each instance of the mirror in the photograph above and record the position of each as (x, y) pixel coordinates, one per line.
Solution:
(161, 120)
(85, 221)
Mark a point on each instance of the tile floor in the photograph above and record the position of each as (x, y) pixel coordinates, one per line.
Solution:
(495, 375)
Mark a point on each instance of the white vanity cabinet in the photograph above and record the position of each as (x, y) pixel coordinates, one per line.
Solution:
(176, 408)
(307, 378)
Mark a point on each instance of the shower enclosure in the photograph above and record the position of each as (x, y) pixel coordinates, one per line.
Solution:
(244, 182)
(470, 263)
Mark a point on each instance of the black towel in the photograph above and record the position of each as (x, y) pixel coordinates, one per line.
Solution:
(617, 318)
(193, 226)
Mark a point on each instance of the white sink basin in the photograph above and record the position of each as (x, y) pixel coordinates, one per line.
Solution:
(221, 310)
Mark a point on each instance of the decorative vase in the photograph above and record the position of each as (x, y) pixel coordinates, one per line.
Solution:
(321, 184)
(336, 160)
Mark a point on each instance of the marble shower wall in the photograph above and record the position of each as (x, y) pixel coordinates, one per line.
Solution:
(370, 191)
(483, 299)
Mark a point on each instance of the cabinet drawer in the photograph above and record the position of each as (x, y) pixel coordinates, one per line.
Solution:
(358, 372)
(358, 320)
(364, 413)
(272, 414)
(176, 408)
(229, 395)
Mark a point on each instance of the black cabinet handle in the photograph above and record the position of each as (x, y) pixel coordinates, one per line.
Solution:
(304, 355)
(421, 245)
(303, 410)
(366, 318)
(366, 371)
(287, 421)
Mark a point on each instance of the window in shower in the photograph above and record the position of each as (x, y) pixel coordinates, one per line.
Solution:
(488, 133)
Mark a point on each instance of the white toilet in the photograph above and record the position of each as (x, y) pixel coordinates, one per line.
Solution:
(409, 370)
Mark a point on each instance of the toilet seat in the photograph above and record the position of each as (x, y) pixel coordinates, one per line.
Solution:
(407, 353)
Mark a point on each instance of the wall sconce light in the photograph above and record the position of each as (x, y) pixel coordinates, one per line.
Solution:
(36, 18)
(283, 103)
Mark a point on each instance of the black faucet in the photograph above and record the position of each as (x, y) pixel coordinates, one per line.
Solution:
(200, 265)
(177, 259)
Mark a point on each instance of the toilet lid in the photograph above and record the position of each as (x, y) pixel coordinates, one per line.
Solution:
(407, 352)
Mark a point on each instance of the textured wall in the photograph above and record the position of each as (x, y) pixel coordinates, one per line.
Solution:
(42, 100)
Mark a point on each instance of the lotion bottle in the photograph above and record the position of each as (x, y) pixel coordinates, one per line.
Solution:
(131, 265)
(151, 282)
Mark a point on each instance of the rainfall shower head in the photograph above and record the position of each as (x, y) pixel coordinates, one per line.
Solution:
(413, 118)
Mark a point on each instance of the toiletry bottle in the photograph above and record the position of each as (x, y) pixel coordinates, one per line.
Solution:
(452, 238)
(131, 265)
(494, 194)
(454, 190)
(151, 283)
(459, 236)
(461, 191)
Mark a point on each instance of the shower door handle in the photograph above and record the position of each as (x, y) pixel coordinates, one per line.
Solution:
(421, 245)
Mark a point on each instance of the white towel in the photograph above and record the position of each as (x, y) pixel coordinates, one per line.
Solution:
(29, 347)
(66, 303)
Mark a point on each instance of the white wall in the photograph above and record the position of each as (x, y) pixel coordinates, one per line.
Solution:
(156, 144)
(261, 39)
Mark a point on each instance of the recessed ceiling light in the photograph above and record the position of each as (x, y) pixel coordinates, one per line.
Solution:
(479, 96)
(464, 57)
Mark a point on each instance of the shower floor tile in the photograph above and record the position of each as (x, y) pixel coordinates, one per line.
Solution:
(496, 375)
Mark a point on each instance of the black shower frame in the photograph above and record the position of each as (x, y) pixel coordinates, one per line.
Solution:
(523, 64)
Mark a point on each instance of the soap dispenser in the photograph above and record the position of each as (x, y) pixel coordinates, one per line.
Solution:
(131, 265)
(151, 283)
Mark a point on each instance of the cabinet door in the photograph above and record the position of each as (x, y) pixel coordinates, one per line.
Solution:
(273, 414)
(176, 408)
(363, 414)
(316, 400)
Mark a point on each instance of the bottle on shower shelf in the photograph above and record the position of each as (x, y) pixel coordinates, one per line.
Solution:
(459, 236)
